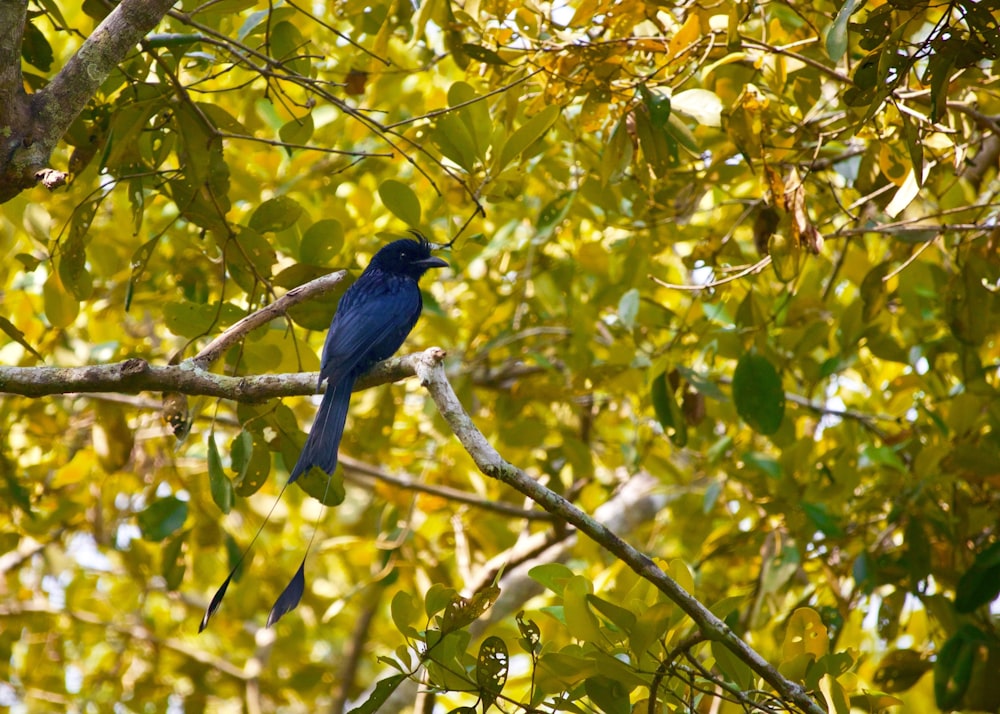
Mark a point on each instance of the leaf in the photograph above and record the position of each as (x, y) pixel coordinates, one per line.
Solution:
(275, 214)
(528, 133)
(8, 328)
(162, 518)
(732, 667)
(173, 566)
(806, 634)
(954, 664)
(328, 489)
(553, 576)
(702, 105)
(836, 36)
(401, 200)
(322, 242)
(35, 49)
(668, 412)
(980, 584)
(188, 319)
(621, 618)
(491, 669)
(483, 54)
(617, 155)
(531, 635)
(900, 670)
(454, 141)
(380, 695)
(628, 308)
(219, 484)
(404, 611)
(297, 131)
(758, 394)
(553, 213)
(61, 308)
(580, 620)
(251, 459)
(610, 695)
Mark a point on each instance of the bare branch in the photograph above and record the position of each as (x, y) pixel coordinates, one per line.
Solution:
(237, 332)
(430, 370)
(137, 375)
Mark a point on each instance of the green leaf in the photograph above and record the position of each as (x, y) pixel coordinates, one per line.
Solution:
(173, 566)
(380, 695)
(483, 54)
(621, 618)
(628, 308)
(530, 132)
(35, 49)
(554, 213)
(610, 695)
(819, 515)
(162, 518)
(297, 131)
(402, 201)
(322, 242)
(980, 584)
(219, 484)
(758, 394)
(553, 576)
(491, 669)
(579, 619)
(668, 411)
(257, 458)
(61, 308)
(453, 140)
(836, 36)
(189, 319)
(8, 328)
(275, 214)
(404, 611)
(327, 489)
(954, 664)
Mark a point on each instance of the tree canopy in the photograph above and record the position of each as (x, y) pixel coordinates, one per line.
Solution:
(705, 413)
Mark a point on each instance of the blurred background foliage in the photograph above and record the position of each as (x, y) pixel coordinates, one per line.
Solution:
(746, 253)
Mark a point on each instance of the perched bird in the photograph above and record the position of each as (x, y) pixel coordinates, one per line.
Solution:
(374, 317)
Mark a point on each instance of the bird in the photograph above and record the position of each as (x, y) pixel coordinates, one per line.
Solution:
(374, 317)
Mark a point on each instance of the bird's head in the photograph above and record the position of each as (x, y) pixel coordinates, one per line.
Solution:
(407, 257)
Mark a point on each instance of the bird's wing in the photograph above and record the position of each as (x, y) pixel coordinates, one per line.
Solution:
(369, 329)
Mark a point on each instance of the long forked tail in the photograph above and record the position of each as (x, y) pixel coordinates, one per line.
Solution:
(320, 450)
(327, 429)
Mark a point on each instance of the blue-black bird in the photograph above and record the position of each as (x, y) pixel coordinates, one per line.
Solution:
(374, 317)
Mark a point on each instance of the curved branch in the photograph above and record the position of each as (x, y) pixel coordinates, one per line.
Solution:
(430, 370)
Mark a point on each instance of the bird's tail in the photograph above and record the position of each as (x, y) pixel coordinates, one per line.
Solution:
(327, 429)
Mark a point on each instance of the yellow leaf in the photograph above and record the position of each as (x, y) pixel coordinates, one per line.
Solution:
(687, 35)
(806, 634)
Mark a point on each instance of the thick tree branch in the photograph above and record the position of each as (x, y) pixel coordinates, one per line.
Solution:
(43, 120)
(12, 18)
(430, 370)
(137, 375)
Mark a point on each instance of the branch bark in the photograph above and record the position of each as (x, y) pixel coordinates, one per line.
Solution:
(430, 370)
(34, 124)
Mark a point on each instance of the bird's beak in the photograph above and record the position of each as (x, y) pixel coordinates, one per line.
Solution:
(432, 262)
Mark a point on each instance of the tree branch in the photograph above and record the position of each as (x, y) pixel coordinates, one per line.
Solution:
(430, 370)
(137, 375)
(12, 18)
(55, 107)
